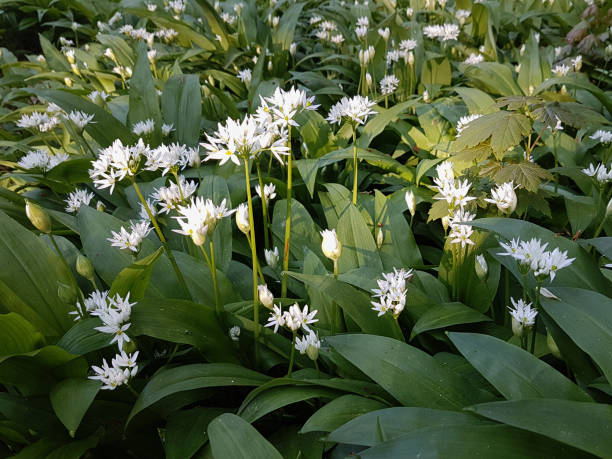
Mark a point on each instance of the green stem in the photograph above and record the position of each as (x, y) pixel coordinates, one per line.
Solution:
(264, 206)
(334, 328)
(603, 220)
(287, 220)
(292, 359)
(261, 276)
(162, 239)
(178, 184)
(74, 282)
(254, 259)
(354, 166)
(507, 295)
(93, 282)
(535, 325)
(213, 271)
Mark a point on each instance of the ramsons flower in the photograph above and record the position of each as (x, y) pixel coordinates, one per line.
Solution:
(357, 109)
(77, 198)
(504, 197)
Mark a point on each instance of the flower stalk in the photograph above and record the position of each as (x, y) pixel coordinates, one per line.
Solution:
(253, 245)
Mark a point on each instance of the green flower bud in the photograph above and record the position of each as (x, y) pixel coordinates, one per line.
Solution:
(39, 217)
(554, 349)
(85, 267)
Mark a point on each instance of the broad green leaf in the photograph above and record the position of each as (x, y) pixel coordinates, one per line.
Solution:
(424, 381)
(287, 25)
(169, 381)
(71, 399)
(180, 321)
(436, 72)
(447, 315)
(373, 157)
(338, 412)
(232, 437)
(504, 129)
(494, 78)
(575, 80)
(467, 442)
(55, 60)
(587, 426)
(515, 373)
(581, 211)
(379, 122)
(358, 247)
(274, 398)
(186, 431)
(534, 69)
(17, 335)
(28, 413)
(525, 174)
(477, 101)
(144, 101)
(398, 421)
(135, 278)
(83, 339)
(31, 271)
(182, 107)
(585, 316)
(569, 113)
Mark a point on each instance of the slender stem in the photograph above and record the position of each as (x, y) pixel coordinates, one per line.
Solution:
(213, 271)
(334, 328)
(264, 206)
(261, 276)
(93, 282)
(178, 184)
(507, 294)
(292, 359)
(535, 325)
(173, 353)
(287, 220)
(131, 389)
(603, 220)
(316, 364)
(206, 257)
(254, 259)
(74, 282)
(162, 239)
(354, 166)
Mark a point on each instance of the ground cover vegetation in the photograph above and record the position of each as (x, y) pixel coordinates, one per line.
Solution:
(305, 229)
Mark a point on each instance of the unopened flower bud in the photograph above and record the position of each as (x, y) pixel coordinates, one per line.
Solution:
(517, 327)
(563, 89)
(554, 349)
(609, 208)
(198, 238)
(410, 202)
(293, 48)
(445, 222)
(265, 296)
(368, 79)
(100, 206)
(275, 20)
(410, 58)
(271, 257)
(38, 217)
(85, 267)
(242, 218)
(379, 238)
(68, 82)
(481, 267)
(270, 65)
(331, 246)
(66, 293)
(312, 352)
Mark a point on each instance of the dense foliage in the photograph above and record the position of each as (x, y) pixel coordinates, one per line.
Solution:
(305, 229)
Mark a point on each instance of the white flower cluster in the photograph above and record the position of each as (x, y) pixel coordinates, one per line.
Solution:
(41, 159)
(144, 127)
(42, 122)
(245, 76)
(78, 198)
(199, 218)
(357, 109)
(123, 367)
(388, 85)
(532, 255)
(464, 121)
(326, 32)
(442, 33)
(474, 59)
(504, 197)
(361, 27)
(269, 191)
(169, 197)
(116, 162)
(272, 257)
(391, 292)
(461, 233)
(455, 193)
(130, 240)
(114, 312)
(295, 319)
(560, 70)
(599, 173)
(523, 316)
(169, 157)
(603, 136)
